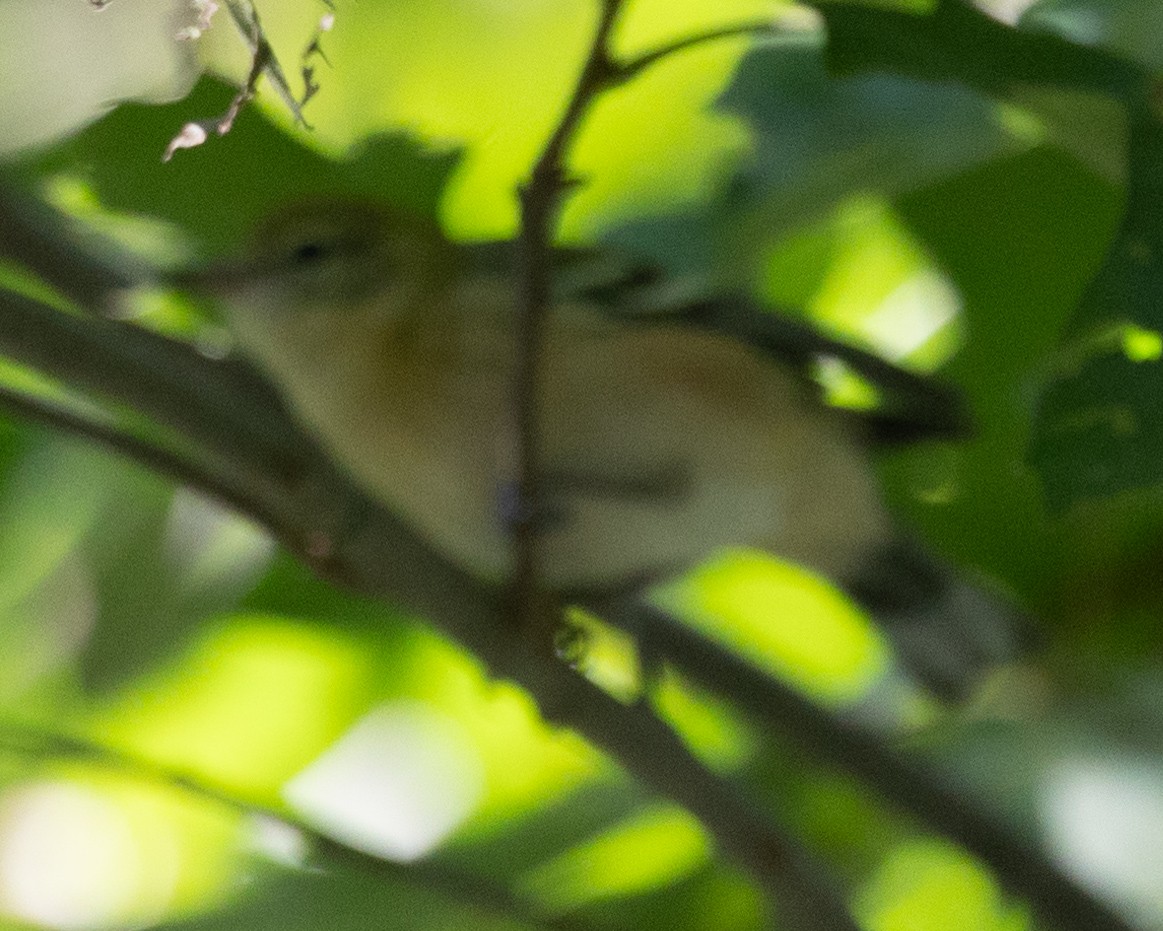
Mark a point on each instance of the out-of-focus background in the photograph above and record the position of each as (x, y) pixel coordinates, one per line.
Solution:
(943, 227)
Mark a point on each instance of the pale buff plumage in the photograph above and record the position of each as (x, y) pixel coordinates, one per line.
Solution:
(660, 443)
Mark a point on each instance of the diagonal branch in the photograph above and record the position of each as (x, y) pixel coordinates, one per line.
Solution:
(222, 405)
(380, 556)
(909, 784)
(632, 67)
(44, 241)
(37, 743)
(386, 560)
(186, 469)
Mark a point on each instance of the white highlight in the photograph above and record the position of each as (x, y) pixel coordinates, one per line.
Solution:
(278, 841)
(912, 313)
(395, 785)
(1105, 821)
(69, 859)
(61, 66)
(1007, 11)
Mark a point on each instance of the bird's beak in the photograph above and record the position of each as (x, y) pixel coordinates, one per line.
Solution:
(216, 280)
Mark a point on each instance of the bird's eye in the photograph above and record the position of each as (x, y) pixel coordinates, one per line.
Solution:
(310, 252)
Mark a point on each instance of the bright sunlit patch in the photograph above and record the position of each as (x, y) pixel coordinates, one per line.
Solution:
(250, 706)
(459, 73)
(653, 849)
(606, 656)
(1105, 819)
(278, 841)
(843, 387)
(399, 782)
(932, 886)
(211, 546)
(913, 313)
(709, 725)
(1142, 345)
(690, 143)
(14, 277)
(784, 619)
(646, 24)
(1008, 11)
(525, 761)
(880, 283)
(71, 858)
(1021, 123)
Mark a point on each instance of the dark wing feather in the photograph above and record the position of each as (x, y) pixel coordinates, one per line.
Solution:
(914, 407)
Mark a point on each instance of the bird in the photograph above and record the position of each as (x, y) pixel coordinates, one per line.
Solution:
(666, 433)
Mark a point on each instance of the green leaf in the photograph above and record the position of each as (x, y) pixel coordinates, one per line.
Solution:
(1099, 430)
(1020, 238)
(221, 189)
(960, 43)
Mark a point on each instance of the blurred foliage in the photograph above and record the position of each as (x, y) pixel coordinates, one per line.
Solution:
(926, 181)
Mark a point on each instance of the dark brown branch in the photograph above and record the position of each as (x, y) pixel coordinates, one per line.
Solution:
(222, 405)
(384, 559)
(381, 557)
(45, 242)
(797, 885)
(908, 784)
(29, 742)
(155, 456)
(541, 199)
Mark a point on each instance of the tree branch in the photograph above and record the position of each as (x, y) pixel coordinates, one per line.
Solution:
(540, 200)
(776, 862)
(632, 67)
(222, 405)
(379, 556)
(216, 480)
(31, 742)
(215, 405)
(212, 405)
(45, 242)
(910, 785)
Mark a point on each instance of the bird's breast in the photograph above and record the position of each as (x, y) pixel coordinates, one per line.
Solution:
(658, 444)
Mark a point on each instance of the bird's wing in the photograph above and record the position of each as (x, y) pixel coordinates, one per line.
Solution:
(912, 407)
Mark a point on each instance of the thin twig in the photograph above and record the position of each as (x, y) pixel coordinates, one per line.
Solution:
(263, 61)
(263, 58)
(796, 884)
(33, 742)
(541, 199)
(632, 67)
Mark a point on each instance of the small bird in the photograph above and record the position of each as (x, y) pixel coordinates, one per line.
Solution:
(662, 438)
